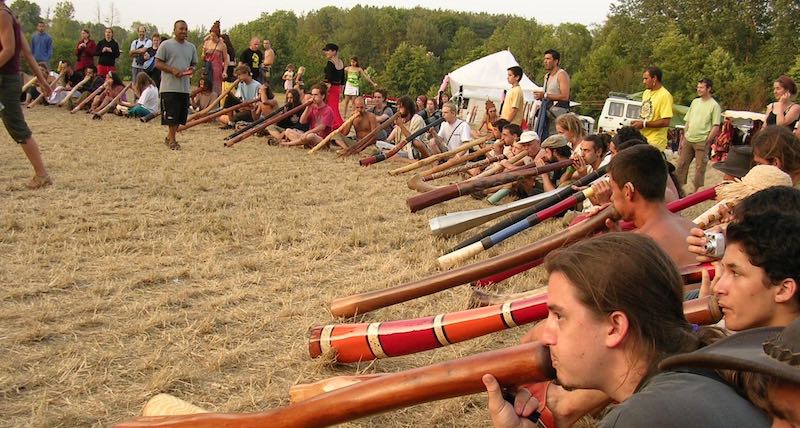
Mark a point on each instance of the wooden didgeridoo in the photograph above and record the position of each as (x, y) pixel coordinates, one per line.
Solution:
(266, 123)
(514, 366)
(149, 117)
(214, 103)
(40, 98)
(28, 85)
(73, 90)
(448, 260)
(370, 137)
(458, 160)
(257, 122)
(216, 114)
(380, 157)
(416, 182)
(329, 137)
(446, 193)
(369, 341)
(462, 168)
(437, 157)
(498, 168)
(371, 300)
(88, 99)
(113, 103)
(305, 391)
(560, 195)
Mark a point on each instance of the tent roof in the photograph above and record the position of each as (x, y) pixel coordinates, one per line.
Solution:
(486, 78)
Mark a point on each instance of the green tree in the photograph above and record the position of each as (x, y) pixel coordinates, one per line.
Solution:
(465, 48)
(28, 13)
(682, 63)
(409, 70)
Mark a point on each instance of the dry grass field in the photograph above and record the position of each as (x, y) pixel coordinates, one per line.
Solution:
(198, 272)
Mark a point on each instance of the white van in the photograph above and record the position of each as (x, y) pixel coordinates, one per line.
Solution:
(618, 111)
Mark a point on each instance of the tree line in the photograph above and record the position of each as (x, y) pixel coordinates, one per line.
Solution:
(741, 46)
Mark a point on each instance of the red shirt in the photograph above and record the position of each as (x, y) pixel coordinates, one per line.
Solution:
(85, 55)
(320, 116)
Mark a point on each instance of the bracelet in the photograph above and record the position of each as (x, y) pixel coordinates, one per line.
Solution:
(644, 124)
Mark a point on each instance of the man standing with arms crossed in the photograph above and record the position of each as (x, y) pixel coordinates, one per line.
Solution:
(656, 109)
(138, 48)
(42, 44)
(514, 102)
(176, 59)
(703, 122)
(12, 46)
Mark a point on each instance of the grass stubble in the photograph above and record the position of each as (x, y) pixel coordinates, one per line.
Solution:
(198, 273)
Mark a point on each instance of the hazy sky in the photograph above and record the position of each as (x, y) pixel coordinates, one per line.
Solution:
(204, 12)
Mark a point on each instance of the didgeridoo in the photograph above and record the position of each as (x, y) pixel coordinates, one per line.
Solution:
(371, 300)
(458, 160)
(369, 341)
(88, 99)
(498, 168)
(462, 168)
(113, 103)
(370, 138)
(437, 157)
(305, 391)
(380, 157)
(347, 123)
(560, 195)
(446, 193)
(451, 259)
(514, 366)
(30, 83)
(214, 103)
(266, 123)
(73, 90)
(149, 117)
(216, 114)
(257, 122)
(40, 98)
(417, 183)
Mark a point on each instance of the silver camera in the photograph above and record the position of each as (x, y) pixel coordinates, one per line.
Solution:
(715, 244)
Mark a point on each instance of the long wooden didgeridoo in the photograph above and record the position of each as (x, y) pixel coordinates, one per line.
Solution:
(347, 123)
(28, 85)
(418, 202)
(416, 182)
(454, 223)
(305, 391)
(88, 99)
(149, 117)
(498, 168)
(40, 98)
(451, 259)
(370, 138)
(437, 157)
(113, 103)
(214, 103)
(380, 157)
(257, 122)
(461, 168)
(369, 301)
(550, 201)
(369, 341)
(514, 366)
(266, 123)
(458, 160)
(216, 114)
(73, 90)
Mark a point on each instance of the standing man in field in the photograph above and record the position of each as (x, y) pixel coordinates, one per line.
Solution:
(514, 102)
(176, 59)
(703, 122)
(253, 57)
(139, 47)
(12, 45)
(556, 89)
(656, 109)
(42, 44)
(269, 59)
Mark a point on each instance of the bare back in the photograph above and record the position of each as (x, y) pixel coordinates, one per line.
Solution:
(670, 232)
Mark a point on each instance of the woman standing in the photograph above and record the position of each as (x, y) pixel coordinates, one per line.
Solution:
(783, 112)
(354, 73)
(334, 78)
(215, 55)
(84, 51)
(107, 52)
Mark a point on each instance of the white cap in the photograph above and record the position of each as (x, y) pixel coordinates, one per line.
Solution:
(528, 136)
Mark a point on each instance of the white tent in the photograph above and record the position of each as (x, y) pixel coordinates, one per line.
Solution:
(486, 78)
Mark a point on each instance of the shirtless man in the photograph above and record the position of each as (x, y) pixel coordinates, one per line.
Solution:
(269, 59)
(638, 178)
(363, 125)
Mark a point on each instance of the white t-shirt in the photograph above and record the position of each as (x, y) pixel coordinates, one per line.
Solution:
(139, 44)
(456, 134)
(149, 99)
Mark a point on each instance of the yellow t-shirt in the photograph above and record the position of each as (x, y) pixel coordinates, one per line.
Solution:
(514, 98)
(656, 105)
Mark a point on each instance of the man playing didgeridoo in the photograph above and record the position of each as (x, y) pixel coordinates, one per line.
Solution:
(363, 125)
(611, 321)
(176, 59)
(318, 116)
(12, 46)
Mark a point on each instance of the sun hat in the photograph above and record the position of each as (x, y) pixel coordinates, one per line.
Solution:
(528, 137)
(740, 159)
(555, 141)
(772, 351)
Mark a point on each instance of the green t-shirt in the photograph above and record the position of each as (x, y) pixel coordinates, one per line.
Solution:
(656, 105)
(701, 117)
